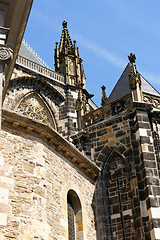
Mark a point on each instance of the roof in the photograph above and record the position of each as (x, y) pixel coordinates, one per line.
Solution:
(27, 52)
(148, 88)
(122, 86)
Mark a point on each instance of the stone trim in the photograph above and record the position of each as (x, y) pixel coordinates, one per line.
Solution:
(21, 123)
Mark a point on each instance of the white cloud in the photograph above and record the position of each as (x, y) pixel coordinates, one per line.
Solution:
(104, 53)
(115, 60)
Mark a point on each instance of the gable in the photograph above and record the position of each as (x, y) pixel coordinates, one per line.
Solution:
(121, 88)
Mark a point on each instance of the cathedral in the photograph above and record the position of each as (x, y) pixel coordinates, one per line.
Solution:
(71, 170)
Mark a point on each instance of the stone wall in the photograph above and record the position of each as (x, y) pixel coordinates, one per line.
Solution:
(116, 195)
(117, 202)
(126, 148)
(34, 181)
(113, 133)
(146, 169)
(67, 114)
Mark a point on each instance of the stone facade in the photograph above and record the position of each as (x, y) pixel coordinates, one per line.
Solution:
(111, 149)
(127, 151)
(34, 183)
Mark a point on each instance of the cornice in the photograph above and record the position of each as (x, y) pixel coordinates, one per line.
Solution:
(21, 123)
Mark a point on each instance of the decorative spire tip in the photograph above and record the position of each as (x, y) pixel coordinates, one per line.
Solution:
(64, 24)
(132, 58)
(103, 88)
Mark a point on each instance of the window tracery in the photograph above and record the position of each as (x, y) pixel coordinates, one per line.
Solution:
(34, 107)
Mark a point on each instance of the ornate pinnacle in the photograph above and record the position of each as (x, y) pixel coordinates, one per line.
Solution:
(64, 24)
(134, 79)
(104, 97)
(132, 58)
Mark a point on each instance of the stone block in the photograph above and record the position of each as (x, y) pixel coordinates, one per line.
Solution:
(102, 132)
(120, 133)
(4, 193)
(5, 208)
(24, 237)
(3, 219)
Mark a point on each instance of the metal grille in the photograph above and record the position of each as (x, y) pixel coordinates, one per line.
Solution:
(71, 222)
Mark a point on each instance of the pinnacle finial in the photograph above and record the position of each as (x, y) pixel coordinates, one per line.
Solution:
(103, 88)
(104, 97)
(132, 58)
(64, 24)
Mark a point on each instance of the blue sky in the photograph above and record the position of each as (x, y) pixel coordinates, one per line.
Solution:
(106, 32)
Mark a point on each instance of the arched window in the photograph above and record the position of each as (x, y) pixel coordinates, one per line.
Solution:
(75, 223)
(71, 219)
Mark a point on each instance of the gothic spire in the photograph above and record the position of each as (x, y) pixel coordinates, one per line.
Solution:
(66, 45)
(67, 60)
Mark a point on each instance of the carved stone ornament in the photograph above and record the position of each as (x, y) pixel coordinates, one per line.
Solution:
(134, 76)
(153, 100)
(114, 166)
(71, 68)
(34, 108)
(132, 58)
(6, 52)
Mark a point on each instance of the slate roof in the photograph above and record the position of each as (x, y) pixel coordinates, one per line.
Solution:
(27, 53)
(122, 86)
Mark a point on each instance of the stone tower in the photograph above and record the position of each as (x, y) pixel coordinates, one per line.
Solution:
(67, 60)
